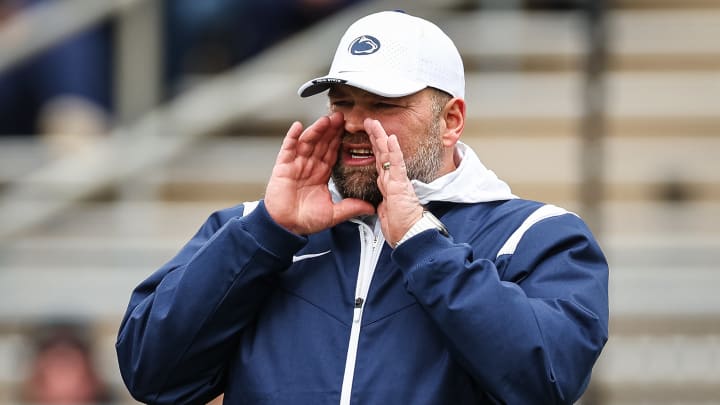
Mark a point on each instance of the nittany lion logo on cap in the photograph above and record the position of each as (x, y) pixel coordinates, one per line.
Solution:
(364, 45)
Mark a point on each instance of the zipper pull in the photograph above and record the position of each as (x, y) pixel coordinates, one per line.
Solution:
(358, 307)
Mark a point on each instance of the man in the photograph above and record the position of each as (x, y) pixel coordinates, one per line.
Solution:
(378, 269)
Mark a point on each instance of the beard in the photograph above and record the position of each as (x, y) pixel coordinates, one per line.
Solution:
(361, 182)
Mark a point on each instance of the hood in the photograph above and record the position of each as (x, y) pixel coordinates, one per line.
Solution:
(471, 182)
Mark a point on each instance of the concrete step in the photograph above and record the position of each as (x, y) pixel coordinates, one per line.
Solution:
(651, 369)
(637, 104)
(639, 39)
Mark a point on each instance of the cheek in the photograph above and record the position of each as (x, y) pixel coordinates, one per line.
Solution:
(410, 129)
(410, 137)
(408, 145)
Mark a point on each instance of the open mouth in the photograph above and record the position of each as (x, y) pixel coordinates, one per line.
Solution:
(360, 153)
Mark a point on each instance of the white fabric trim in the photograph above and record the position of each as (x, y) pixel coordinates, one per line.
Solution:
(371, 246)
(546, 211)
(249, 207)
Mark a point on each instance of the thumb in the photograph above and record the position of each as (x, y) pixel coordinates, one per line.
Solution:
(350, 208)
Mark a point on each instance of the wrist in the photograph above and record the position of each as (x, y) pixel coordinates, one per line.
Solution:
(427, 221)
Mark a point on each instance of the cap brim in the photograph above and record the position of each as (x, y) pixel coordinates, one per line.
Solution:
(382, 84)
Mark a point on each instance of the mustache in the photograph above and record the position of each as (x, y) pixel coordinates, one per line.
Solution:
(355, 137)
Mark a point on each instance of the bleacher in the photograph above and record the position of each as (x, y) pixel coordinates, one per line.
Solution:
(78, 233)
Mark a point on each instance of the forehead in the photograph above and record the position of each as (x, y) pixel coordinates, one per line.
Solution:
(343, 90)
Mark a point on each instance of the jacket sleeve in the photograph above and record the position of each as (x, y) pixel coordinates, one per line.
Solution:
(531, 337)
(183, 322)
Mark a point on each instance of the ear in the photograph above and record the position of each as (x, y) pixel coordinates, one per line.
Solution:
(454, 118)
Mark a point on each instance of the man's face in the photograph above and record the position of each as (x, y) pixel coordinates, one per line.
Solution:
(410, 118)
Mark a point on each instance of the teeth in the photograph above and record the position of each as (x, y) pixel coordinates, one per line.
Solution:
(360, 153)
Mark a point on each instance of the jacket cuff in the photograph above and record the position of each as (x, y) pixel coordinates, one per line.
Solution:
(270, 235)
(420, 249)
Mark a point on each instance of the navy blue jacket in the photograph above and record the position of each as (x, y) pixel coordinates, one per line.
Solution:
(512, 308)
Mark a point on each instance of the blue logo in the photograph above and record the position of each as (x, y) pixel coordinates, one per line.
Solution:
(364, 45)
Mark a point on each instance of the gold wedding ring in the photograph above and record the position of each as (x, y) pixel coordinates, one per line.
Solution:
(386, 166)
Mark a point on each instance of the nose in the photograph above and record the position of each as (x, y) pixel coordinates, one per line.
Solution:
(354, 119)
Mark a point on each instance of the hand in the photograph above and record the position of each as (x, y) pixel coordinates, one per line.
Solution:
(400, 208)
(297, 196)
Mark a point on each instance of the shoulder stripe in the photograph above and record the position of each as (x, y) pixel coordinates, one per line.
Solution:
(546, 211)
(249, 207)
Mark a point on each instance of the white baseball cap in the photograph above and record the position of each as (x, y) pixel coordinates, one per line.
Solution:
(393, 54)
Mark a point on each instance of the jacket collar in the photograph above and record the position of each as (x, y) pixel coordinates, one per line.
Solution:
(471, 182)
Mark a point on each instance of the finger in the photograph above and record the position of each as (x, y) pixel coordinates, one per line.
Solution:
(331, 152)
(335, 123)
(316, 139)
(315, 130)
(377, 134)
(382, 211)
(334, 135)
(349, 208)
(383, 218)
(337, 119)
(397, 171)
(322, 127)
(381, 179)
(378, 140)
(293, 133)
(326, 147)
(289, 145)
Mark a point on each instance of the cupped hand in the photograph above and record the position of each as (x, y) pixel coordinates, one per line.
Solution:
(297, 195)
(400, 208)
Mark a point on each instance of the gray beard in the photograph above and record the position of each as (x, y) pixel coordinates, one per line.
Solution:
(361, 182)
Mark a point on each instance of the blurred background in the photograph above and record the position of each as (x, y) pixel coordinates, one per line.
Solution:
(125, 123)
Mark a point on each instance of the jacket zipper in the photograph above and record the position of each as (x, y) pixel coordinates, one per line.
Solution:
(370, 248)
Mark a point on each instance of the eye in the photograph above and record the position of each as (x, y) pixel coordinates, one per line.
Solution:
(384, 105)
(340, 103)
